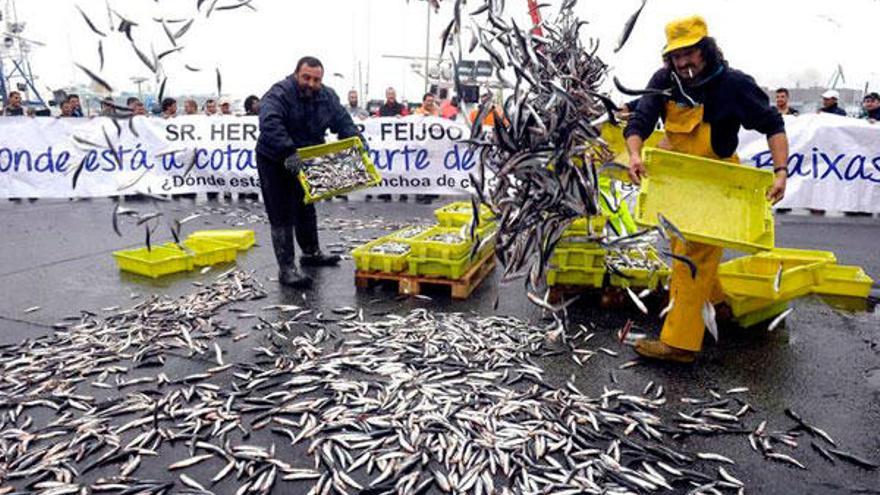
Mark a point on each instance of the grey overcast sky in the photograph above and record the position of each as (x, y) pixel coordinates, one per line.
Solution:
(780, 42)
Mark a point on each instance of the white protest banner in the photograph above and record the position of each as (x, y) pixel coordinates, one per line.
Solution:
(39, 156)
(420, 155)
(834, 162)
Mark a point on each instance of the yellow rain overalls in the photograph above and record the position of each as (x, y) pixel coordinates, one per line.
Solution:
(683, 329)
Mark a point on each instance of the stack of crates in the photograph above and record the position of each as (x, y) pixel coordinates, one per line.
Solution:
(434, 258)
(749, 282)
(201, 248)
(578, 258)
(424, 254)
(368, 259)
(581, 264)
(431, 258)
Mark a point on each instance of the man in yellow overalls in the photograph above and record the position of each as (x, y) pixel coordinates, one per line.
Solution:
(709, 103)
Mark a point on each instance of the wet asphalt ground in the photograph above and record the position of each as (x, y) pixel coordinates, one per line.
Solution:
(825, 363)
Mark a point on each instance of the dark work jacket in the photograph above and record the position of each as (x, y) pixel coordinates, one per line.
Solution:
(731, 100)
(392, 109)
(289, 122)
(834, 110)
(873, 114)
(14, 112)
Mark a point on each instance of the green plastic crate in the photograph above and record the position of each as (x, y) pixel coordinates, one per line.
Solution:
(799, 255)
(461, 213)
(764, 314)
(579, 228)
(754, 276)
(154, 263)
(710, 201)
(325, 149)
(587, 277)
(841, 280)
(243, 239)
(367, 261)
(206, 252)
(442, 268)
(422, 247)
(572, 256)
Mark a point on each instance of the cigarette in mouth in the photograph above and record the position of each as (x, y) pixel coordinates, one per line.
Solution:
(690, 73)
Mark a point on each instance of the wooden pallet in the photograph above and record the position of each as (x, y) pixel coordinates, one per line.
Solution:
(412, 284)
(559, 293)
(606, 297)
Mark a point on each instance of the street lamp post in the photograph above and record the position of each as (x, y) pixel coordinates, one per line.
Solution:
(427, 45)
(139, 81)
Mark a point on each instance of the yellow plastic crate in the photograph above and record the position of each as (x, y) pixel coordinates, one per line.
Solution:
(155, 263)
(368, 261)
(744, 305)
(587, 277)
(444, 268)
(842, 280)
(613, 136)
(422, 247)
(206, 252)
(799, 254)
(639, 277)
(325, 149)
(578, 257)
(242, 239)
(753, 276)
(586, 226)
(762, 314)
(710, 201)
(460, 213)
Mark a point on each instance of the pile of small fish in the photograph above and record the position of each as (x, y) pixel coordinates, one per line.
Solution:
(391, 247)
(447, 238)
(244, 212)
(543, 152)
(637, 257)
(411, 232)
(344, 170)
(406, 404)
(87, 357)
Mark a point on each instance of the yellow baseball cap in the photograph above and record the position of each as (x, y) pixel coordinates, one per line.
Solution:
(685, 32)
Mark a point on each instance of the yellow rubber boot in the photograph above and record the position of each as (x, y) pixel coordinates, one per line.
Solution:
(684, 327)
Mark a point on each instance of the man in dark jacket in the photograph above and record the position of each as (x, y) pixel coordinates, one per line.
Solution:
(829, 103)
(391, 107)
(871, 105)
(296, 112)
(13, 107)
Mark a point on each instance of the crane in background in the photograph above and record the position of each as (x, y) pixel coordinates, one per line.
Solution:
(15, 66)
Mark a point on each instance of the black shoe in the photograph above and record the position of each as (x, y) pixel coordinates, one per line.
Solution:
(282, 242)
(291, 277)
(319, 259)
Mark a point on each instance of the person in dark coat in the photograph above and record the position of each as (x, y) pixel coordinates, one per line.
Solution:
(830, 105)
(296, 112)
